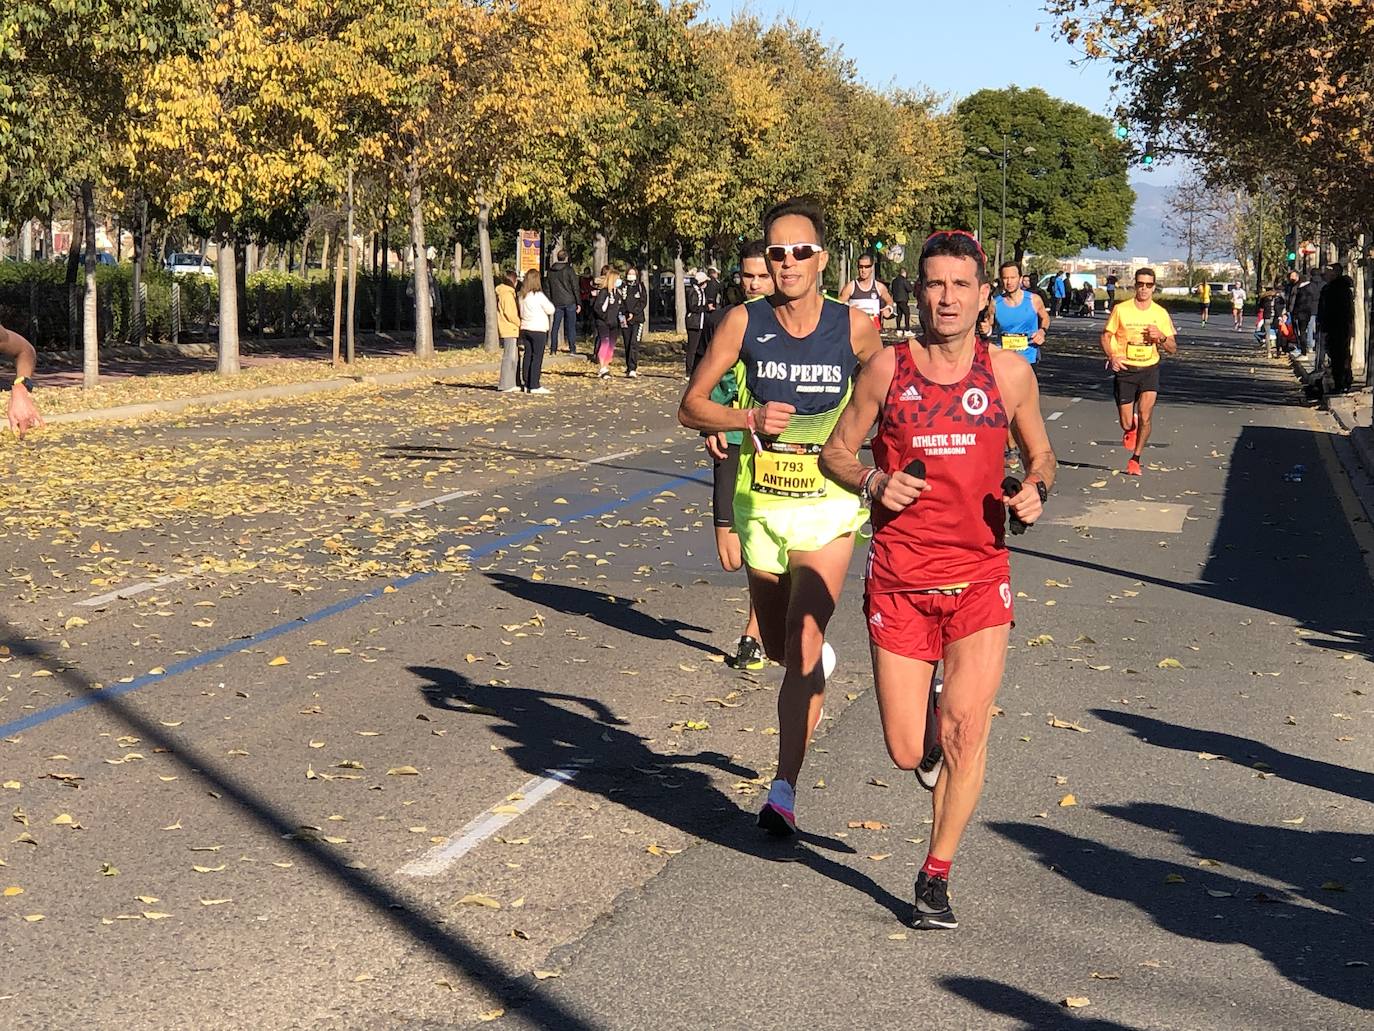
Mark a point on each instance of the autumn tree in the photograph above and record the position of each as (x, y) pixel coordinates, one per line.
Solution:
(257, 122)
(67, 72)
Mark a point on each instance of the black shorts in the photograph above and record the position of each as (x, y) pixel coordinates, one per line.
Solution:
(723, 472)
(1131, 383)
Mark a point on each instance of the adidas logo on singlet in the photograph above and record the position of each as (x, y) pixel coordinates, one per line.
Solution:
(910, 393)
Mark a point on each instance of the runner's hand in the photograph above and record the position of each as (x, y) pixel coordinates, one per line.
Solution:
(1026, 504)
(897, 490)
(715, 446)
(1115, 364)
(773, 417)
(23, 412)
(1038, 338)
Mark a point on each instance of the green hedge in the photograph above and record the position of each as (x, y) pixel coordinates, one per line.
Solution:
(34, 301)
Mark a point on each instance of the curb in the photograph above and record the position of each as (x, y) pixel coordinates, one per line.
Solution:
(1344, 411)
(320, 386)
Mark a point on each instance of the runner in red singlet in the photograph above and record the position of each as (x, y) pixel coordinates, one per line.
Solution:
(938, 585)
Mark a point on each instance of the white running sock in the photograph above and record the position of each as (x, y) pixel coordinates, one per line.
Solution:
(828, 659)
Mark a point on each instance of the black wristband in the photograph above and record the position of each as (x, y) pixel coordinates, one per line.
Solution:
(24, 381)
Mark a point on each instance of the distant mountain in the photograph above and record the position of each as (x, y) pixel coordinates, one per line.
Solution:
(1145, 238)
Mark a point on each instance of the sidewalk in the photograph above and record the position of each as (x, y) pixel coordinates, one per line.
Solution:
(1352, 413)
(339, 380)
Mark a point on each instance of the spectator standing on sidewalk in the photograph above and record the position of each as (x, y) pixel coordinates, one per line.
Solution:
(1336, 325)
(1304, 314)
(23, 413)
(733, 293)
(607, 317)
(634, 313)
(900, 289)
(536, 311)
(508, 329)
(563, 292)
(712, 288)
(695, 299)
(1058, 291)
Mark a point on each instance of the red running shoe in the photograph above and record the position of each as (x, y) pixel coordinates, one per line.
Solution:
(1128, 441)
(1133, 467)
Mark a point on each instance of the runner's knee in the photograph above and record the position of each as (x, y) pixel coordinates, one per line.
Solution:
(906, 752)
(963, 733)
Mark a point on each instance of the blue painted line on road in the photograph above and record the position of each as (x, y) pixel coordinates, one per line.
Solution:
(204, 659)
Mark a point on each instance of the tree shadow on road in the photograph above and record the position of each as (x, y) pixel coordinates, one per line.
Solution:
(1339, 780)
(386, 905)
(1307, 934)
(1009, 1001)
(607, 609)
(549, 730)
(1280, 547)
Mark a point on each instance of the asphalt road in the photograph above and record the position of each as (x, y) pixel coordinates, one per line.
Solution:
(361, 758)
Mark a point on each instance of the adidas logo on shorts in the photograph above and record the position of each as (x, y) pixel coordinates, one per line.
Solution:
(910, 393)
(876, 619)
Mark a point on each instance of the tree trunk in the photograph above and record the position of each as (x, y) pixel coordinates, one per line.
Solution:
(90, 330)
(338, 304)
(324, 251)
(457, 262)
(679, 290)
(1359, 271)
(137, 316)
(73, 286)
(601, 249)
(491, 339)
(228, 267)
(424, 316)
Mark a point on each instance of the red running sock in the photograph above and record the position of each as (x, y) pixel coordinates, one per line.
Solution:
(936, 867)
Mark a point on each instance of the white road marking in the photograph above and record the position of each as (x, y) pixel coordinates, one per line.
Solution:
(441, 857)
(132, 589)
(610, 458)
(416, 506)
(1053, 416)
(1075, 400)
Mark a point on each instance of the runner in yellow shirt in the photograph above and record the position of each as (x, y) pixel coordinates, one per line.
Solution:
(1137, 332)
(1205, 294)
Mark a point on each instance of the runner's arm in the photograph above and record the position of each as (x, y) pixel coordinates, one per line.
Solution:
(840, 455)
(885, 295)
(697, 411)
(846, 292)
(1021, 394)
(1044, 316)
(864, 336)
(25, 357)
(23, 413)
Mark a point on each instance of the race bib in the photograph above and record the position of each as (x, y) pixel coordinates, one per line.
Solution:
(1139, 352)
(789, 470)
(1015, 341)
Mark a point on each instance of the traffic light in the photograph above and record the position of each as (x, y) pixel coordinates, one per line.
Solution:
(1147, 159)
(1122, 132)
(1290, 245)
(878, 245)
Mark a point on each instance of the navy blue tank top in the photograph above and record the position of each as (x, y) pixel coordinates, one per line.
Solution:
(812, 374)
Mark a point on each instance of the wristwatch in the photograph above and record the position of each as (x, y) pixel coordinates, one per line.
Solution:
(23, 381)
(1043, 491)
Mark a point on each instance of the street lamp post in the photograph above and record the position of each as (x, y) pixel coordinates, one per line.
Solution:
(1002, 231)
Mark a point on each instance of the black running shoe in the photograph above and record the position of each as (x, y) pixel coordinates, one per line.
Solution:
(749, 654)
(931, 911)
(928, 773)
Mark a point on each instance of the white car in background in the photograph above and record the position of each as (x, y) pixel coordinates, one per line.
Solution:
(189, 264)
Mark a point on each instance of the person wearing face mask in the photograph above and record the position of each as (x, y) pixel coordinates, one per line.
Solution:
(734, 291)
(606, 316)
(634, 307)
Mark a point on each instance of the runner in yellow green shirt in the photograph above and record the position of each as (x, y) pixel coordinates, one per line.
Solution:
(1136, 334)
